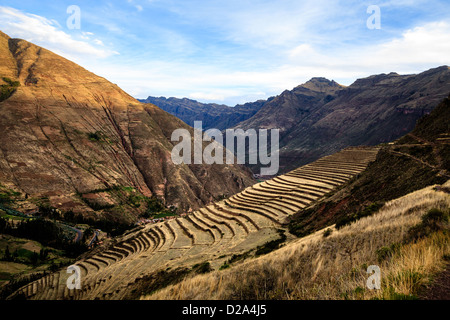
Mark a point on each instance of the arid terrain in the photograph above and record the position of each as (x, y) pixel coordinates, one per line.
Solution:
(82, 137)
(87, 180)
(214, 234)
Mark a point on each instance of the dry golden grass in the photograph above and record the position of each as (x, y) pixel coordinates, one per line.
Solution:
(411, 268)
(334, 267)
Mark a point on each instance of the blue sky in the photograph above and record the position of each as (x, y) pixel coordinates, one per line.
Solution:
(235, 51)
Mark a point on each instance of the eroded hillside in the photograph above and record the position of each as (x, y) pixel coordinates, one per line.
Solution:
(71, 139)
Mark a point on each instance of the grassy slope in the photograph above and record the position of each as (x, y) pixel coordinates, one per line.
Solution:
(399, 169)
(334, 267)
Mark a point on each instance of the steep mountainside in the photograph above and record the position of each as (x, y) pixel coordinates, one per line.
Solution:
(321, 117)
(285, 111)
(212, 115)
(417, 160)
(70, 137)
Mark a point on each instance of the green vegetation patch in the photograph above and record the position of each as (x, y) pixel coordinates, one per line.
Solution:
(156, 281)
(299, 226)
(367, 211)
(20, 259)
(7, 216)
(7, 90)
(99, 136)
(224, 266)
(202, 268)
(271, 245)
(327, 232)
(238, 257)
(46, 232)
(387, 252)
(157, 209)
(8, 196)
(95, 136)
(434, 220)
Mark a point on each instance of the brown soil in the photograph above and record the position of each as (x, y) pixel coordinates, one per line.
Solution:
(440, 288)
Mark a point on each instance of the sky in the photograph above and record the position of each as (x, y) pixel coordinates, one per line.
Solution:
(231, 51)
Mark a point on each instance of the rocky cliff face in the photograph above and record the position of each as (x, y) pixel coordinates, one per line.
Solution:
(321, 117)
(69, 137)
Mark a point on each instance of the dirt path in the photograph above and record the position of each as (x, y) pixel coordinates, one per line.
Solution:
(434, 145)
(416, 159)
(440, 288)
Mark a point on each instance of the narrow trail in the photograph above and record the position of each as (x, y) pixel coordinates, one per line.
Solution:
(440, 287)
(434, 146)
(424, 142)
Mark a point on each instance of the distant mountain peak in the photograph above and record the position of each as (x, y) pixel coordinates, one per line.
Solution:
(320, 80)
(321, 84)
(437, 69)
(212, 115)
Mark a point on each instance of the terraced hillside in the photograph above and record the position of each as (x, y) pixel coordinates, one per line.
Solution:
(213, 233)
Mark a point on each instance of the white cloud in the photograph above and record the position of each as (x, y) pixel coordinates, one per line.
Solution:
(416, 50)
(281, 62)
(47, 33)
(138, 7)
(259, 23)
(301, 51)
(98, 42)
(207, 96)
(420, 46)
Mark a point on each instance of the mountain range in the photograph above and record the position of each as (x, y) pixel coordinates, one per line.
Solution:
(212, 115)
(360, 208)
(75, 145)
(321, 117)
